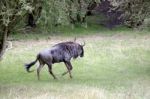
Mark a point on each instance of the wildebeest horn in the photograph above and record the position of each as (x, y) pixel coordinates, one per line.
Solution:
(75, 39)
(83, 44)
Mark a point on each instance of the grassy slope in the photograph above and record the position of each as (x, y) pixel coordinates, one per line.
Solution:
(116, 66)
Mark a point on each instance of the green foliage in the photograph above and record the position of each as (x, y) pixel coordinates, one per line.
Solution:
(12, 13)
(54, 12)
(62, 12)
(11, 10)
(135, 11)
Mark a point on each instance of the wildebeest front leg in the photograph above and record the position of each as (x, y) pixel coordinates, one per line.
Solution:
(50, 71)
(69, 67)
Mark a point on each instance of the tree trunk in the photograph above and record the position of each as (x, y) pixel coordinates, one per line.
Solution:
(3, 42)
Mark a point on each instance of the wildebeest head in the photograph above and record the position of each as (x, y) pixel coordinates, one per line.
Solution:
(81, 50)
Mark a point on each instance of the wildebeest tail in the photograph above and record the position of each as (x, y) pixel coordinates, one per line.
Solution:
(28, 66)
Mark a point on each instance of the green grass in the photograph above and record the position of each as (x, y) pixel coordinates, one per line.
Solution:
(116, 65)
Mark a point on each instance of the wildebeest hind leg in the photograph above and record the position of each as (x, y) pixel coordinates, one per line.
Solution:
(38, 71)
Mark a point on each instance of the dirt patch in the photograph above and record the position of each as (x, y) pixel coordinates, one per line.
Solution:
(54, 40)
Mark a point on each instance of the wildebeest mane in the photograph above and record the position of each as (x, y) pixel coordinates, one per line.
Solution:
(69, 47)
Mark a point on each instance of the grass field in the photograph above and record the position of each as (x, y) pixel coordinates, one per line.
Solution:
(116, 65)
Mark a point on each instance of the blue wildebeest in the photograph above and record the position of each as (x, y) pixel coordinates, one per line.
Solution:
(61, 52)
